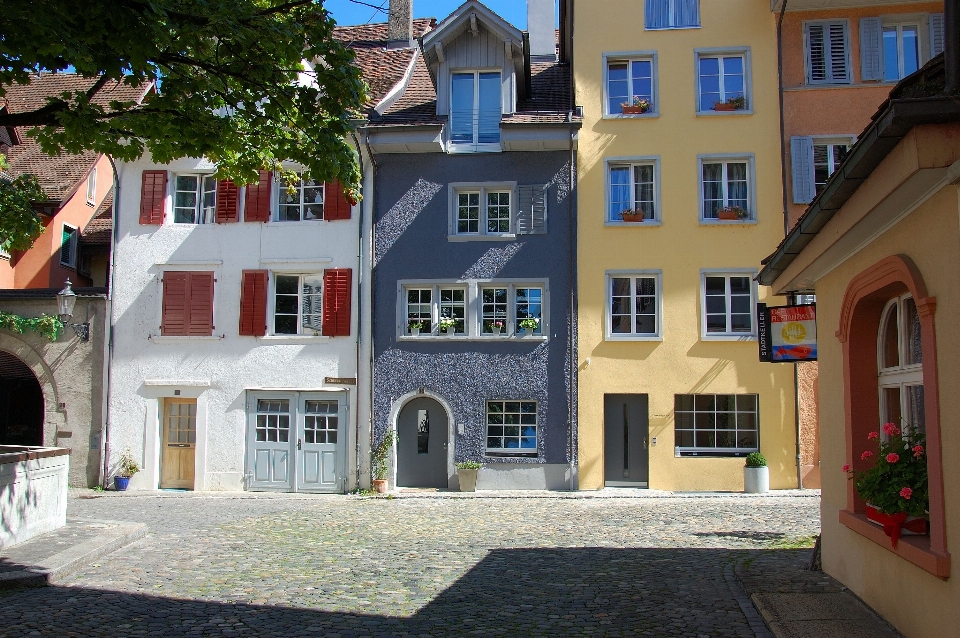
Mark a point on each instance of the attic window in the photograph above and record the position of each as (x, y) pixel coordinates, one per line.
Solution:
(475, 112)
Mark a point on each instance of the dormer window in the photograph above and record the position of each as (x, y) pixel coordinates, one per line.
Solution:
(475, 112)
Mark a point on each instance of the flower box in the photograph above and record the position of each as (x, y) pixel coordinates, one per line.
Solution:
(632, 217)
(723, 106)
(727, 215)
(633, 110)
(911, 526)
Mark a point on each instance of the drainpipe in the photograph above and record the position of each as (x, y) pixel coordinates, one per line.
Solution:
(105, 428)
(370, 239)
(360, 284)
(783, 141)
(951, 46)
(572, 330)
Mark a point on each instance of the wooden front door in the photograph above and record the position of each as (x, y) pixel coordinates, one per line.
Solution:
(179, 443)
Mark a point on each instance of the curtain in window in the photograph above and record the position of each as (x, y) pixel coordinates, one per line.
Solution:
(619, 191)
(737, 185)
(657, 14)
(686, 13)
(461, 113)
(643, 189)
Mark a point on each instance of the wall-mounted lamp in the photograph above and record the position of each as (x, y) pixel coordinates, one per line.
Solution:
(66, 300)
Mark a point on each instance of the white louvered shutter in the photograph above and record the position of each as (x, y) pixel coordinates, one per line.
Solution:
(801, 156)
(936, 34)
(532, 210)
(871, 49)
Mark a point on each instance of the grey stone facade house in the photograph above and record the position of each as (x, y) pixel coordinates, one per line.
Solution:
(473, 241)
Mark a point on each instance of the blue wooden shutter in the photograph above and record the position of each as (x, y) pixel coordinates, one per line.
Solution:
(656, 14)
(871, 49)
(801, 155)
(686, 13)
(936, 34)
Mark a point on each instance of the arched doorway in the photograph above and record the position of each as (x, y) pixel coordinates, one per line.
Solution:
(422, 444)
(21, 403)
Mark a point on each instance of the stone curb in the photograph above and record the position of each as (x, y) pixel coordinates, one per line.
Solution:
(827, 615)
(53, 569)
(752, 612)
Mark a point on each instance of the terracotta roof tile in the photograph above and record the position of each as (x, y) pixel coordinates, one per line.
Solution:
(99, 229)
(58, 175)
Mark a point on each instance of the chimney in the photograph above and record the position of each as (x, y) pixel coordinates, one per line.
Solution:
(540, 20)
(400, 23)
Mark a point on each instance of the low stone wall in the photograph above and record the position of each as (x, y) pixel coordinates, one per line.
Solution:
(33, 491)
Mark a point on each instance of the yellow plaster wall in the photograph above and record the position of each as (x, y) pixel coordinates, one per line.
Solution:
(916, 602)
(681, 363)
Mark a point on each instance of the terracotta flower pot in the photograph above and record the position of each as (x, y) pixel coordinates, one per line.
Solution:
(632, 217)
(380, 486)
(723, 106)
(727, 215)
(632, 110)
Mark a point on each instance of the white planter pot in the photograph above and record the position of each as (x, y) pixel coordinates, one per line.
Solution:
(756, 480)
(496, 331)
(468, 480)
(415, 331)
(452, 330)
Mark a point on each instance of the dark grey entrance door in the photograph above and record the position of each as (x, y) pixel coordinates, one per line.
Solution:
(625, 430)
(422, 444)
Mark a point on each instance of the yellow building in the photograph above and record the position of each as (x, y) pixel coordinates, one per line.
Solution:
(679, 198)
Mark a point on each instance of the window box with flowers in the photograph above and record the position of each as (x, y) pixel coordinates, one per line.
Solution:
(737, 103)
(732, 213)
(529, 325)
(494, 327)
(637, 107)
(895, 487)
(633, 215)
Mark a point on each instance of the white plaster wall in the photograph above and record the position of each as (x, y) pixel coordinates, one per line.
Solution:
(33, 497)
(216, 370)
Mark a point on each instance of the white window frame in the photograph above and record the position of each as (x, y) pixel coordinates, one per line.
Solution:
(754, 296)
(829, 142)
(74, 243)
(504, 451)
(923, 43)
(302, 331)
(616, 162)
(628, 57)
(473, 314)
(726, 159)
(279, 188)
(657, 276)
(199, 192)
(475, 146)
(670, 12)
(808, 62)
(483, 188)
(92, 187)
(717, 451)
(903, 375)
(724, 52)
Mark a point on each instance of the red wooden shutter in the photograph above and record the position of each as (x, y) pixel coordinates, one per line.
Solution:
(228, 202)
(335, 204)
(253, 303)
(201, 304)
(187, 304)
(337, 289)
(153, 192)
(174, 315)
(258, 199)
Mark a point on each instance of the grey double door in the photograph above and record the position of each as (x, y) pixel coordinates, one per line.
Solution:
(422, 444)
(626, 428)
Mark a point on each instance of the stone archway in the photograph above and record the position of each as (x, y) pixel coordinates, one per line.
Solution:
(51, 418)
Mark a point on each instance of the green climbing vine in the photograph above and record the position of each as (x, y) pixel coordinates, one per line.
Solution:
(48, 326)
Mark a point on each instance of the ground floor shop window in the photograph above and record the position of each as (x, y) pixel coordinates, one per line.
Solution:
(512, 427)
(716, 424)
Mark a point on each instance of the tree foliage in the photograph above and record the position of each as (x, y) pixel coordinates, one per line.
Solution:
(230, 81)
(19, 224)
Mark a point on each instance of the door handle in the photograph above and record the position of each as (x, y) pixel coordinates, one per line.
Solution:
(644, 443)
(299, 447)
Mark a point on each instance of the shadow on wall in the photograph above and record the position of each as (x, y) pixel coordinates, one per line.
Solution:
(18, 501)
(512, 592)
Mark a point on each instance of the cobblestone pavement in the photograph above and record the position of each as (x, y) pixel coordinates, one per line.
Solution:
(340, 566)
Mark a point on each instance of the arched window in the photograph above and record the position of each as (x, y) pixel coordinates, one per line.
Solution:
(900, 365)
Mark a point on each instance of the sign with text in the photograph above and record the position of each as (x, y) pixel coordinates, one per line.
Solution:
(792, 333)
(763, 332)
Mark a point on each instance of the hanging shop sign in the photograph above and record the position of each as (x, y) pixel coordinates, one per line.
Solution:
(787, 333)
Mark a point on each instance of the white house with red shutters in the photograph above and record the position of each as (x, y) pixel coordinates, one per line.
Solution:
(235, 335)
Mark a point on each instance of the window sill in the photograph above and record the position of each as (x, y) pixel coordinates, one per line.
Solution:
(623, 224)
(474, 148)
(728, 336)
(294, 224)
(670, 28)
(700, 453)
(182, 338)
(633, 337)
(914, 549)
(631, 116)
(293, 338)
(727, 222)
(505, 237)
(446, 337)
(735, 112)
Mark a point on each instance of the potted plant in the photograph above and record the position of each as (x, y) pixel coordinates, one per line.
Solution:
(495, 325)
(448, 324)
(736, 103)
(732, 213)
(467, 475)
(895, 486)
(127, 468)
(415, 326)
(529, 325)
(380, 461)
(756, 474)
(638, 106)
(632, 215)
